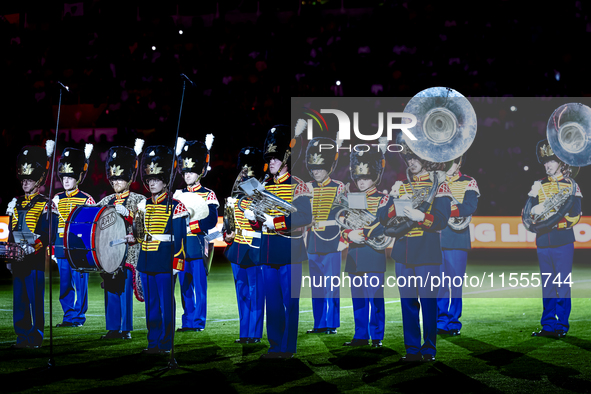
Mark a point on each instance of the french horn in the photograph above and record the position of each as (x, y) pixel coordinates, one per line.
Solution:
(445, 129)
(569, 134)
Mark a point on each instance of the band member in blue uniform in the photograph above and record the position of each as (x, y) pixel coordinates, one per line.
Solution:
(72, 169)
(155, 263)
(417, 254)
(282, 271)
(323, 237)
(202, 204)
(455, 245)
(555, 242)
(121, 166)
(29, 229)
(243, 251)
(366, 261)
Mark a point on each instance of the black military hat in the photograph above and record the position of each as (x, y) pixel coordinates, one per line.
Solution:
(122, 161)
(367, 165)
(545, 153)
(156, 163)
(194, 155)
(33, 162)
(250, 160)
(280, 142)
(321, 154)
(74, 163)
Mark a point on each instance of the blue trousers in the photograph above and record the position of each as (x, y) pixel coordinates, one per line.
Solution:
(449, 303)
(160, 308)
(556, 299)
(73, 293)
(325, 302)
(119, 306)
(282, 291)
(28, 307)
(250, 294)
(411, 306)
(193, 281)
(368, 305)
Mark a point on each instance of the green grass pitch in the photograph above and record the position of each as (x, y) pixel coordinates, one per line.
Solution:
(495, 352)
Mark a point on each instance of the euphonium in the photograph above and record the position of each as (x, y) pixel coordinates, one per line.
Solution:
(421, 199)
(354, 219)
(264, 202)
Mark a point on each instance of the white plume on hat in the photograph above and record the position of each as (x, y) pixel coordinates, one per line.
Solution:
(139, 145)
(339, 141)
(180, 143)
(383, 141)
(88, 151)
(49, 145)
(209, 141)
(300, 126)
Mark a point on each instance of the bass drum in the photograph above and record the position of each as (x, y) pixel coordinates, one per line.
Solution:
(94, 239)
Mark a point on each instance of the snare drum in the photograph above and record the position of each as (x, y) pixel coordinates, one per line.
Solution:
(11, 251)
(94, 239)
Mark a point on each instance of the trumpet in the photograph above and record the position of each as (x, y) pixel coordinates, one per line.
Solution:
(353, 219)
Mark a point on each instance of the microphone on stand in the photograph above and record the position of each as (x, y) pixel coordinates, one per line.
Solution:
(183, 76)
(63, 86)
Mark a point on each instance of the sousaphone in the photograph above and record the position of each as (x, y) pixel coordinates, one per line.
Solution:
(569, 134)
(445, 129)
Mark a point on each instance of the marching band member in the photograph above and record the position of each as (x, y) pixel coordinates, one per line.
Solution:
(455, 245)
(155, 262)
(363, 261)
(323, 238)
(555, 243)
(418, 254)
(30, 230)
(72, 169)
(243, 253)
(282, 271)
(202, 204)
(121, 166)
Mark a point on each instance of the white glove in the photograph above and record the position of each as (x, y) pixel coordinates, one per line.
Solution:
(535, 189)
(249, 215)
(174, 272)
(538, 209)
(56, 200)
(342, 246)
(29, 250)
(54, 258)
(405, 197)
(269, 222)
(395, 191)
(122, 210)
(10, 208)
(9, 267)
(414, 214)
(356, 236)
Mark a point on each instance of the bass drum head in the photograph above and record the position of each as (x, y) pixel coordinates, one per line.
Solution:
(110, 226)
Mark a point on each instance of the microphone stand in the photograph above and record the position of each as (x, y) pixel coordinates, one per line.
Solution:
(172, 364)
(51, 361)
